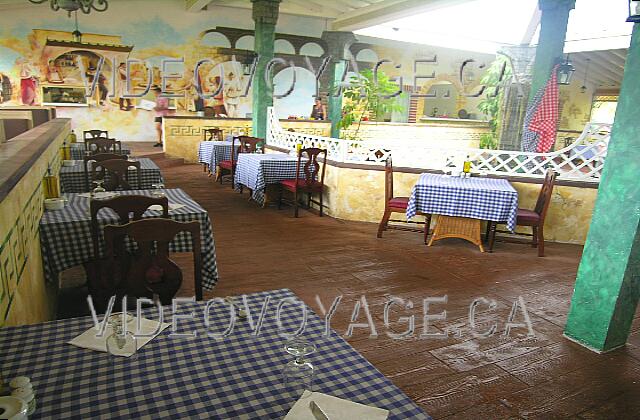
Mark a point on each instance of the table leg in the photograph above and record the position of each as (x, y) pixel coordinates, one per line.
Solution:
(457, 227)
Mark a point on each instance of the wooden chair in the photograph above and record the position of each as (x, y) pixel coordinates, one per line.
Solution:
(93, 134)
(534, 218)
(100, 157)
(393, 204)
(149, 272)
(250, 144)
(228, 167)
(115, 173)
(313, 181)
(212, 134)
(127, 208)
(103, 145)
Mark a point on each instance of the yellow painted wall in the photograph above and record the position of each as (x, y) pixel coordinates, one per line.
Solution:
(356, 194)
(24, 296)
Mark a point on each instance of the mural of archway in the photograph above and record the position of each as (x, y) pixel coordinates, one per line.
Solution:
(300, 101)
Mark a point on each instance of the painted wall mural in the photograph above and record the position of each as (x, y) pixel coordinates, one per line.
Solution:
(42, 62)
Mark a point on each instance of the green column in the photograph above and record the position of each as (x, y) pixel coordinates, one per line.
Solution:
(608, 284)
(553, 31)
(265, 16)
(338, 46)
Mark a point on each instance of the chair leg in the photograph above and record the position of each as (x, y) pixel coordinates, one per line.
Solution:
(280, 192)
(321, 211)
(241, 189)
(534, 241)
(427, 225)
(384, 222)
(295, 203)
(540, 242)
(491, 236)
(309, 200)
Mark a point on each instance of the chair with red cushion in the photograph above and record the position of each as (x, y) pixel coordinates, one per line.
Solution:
(250, 144)
(534, 218)
(313, 181)
(228, 167)
(397, 205)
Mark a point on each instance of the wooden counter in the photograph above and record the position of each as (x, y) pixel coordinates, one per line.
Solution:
(24, 296)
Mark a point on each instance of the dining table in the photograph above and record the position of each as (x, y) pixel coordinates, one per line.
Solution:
(73, 179)
(79, 151)
(258, 170)
(66, 241)
(212, 152)
(195, 371)
(462, 203)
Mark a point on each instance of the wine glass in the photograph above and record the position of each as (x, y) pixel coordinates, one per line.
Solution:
(158, 190)
(121, 342)
(298, 373)
(99, 190)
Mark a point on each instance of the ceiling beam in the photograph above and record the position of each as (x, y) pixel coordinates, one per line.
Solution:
(532, 27)
(386, 11)
(196, 5)
(599, 70)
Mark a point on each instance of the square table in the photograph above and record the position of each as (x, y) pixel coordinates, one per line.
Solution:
(455, 198)
(234, 377)
(207, 149)
(255, 171)
(78, 151)
(73, 178)
(65, 235)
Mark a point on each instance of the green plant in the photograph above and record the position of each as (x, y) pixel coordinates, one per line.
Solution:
(365, 98)
(497, 72)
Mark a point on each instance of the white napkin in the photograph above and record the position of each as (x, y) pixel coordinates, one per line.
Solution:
(88, 339)
(172, 206)
(335, 408)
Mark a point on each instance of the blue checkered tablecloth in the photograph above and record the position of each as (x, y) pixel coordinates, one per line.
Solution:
(236, 377)
(73, 179)
(207, 151)
(256, 171)
(78, 151)
(65, 235)
(476, 198)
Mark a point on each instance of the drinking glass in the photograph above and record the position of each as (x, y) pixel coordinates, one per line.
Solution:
(99, 189)
(158, 190)
(121, 343)
(298, 373)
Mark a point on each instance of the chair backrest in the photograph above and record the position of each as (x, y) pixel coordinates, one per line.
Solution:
(388, 180)
(100, 157)
(311, 167)
(210, 134)
(115, 173)
(544, 198)
(103, 145)
(127, 207)
(149, 272)
(92, 134)
(250, 144)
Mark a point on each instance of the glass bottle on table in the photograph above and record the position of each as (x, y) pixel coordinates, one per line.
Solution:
(298, 374)
(466, 167)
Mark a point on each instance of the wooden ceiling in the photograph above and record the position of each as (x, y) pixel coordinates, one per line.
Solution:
(605, 68)
(345, 15)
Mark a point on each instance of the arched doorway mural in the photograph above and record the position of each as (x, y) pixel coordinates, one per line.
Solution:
(300, 101)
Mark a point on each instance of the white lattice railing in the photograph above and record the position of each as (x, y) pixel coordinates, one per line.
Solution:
(582, 160)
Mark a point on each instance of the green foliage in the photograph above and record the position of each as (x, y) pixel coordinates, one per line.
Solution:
(490, 104)
(365, 98)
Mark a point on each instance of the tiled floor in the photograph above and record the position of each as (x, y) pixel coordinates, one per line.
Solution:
(463, 375)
